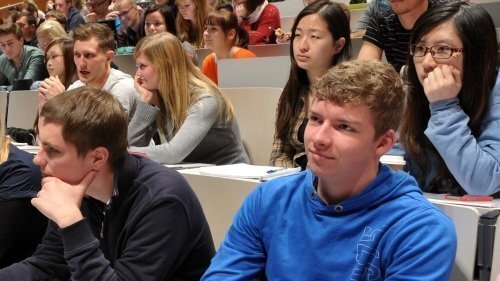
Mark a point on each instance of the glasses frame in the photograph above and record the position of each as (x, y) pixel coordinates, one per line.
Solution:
(125, 13)
(52, 57)
(433, 52)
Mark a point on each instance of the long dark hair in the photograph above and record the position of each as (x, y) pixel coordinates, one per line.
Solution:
(480, 50)
(66, 45)
(298, 83)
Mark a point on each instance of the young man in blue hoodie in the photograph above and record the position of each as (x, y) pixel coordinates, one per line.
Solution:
(348, 217)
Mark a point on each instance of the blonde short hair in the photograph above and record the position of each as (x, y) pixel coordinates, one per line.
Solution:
(374, 84)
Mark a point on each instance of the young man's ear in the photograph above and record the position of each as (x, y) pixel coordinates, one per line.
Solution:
(110, 55)
(100, 157)
(385, 142)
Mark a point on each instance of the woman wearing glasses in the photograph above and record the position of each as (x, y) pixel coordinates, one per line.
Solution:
(451, 126)
(61, 68)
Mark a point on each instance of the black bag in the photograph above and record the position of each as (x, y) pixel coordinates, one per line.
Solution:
(22, 135)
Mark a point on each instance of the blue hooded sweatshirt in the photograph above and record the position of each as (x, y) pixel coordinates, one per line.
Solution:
(389, 231)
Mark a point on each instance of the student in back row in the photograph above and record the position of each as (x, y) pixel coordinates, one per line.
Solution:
(349, 217)
(194, 118)
(259, 18)
(18, 61)
(320, 39)
(389, 31)
(93, 52)
(226, 39)
(451, 128)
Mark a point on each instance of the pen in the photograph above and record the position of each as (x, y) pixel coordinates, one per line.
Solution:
(273, 171)
(468, 198)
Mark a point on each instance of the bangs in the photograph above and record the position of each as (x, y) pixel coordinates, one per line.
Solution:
(215, 19)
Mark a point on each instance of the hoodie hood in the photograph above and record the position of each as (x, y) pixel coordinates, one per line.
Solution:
(387, 186)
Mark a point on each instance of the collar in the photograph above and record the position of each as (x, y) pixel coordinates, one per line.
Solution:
(255, 15)
(20, 60)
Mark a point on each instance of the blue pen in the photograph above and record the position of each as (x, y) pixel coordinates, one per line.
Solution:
(273, 171)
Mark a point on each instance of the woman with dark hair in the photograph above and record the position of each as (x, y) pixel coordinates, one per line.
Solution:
(320, 40)
(451, 126)
(61, 67)
(226, 39)
(159, 18)
(260, 19)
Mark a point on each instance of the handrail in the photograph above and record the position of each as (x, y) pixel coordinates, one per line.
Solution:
(10, 5)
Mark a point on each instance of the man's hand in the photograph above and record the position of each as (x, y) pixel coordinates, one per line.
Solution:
(444, 82)
(240, 10)
(112, 15)
(60, 202)
(91, 17)
(49, 88)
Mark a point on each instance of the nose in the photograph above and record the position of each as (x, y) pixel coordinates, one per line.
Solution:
(428, 62)
(322, 137)
(303, 44)
(39, 160)
(80, 62)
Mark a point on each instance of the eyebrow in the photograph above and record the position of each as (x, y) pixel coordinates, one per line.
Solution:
(337, 118)
(309, 29)
(45, 143)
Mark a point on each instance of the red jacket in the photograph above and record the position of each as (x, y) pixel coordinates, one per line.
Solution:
(262, 31)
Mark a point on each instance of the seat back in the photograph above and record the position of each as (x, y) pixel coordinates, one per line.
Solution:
(255, 111)
(22, 109)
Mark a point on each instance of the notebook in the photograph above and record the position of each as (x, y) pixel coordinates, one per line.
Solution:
(246, 171)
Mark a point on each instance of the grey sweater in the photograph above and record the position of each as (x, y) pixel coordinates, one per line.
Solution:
(202, 138)
(121, 86)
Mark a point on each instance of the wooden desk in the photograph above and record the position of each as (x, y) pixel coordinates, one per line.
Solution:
(466, 219)
(220, 198)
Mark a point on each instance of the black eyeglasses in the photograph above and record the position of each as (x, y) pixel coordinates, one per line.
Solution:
(437, 52)
(124, 13)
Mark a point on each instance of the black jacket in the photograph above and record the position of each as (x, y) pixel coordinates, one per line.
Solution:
(152, 229)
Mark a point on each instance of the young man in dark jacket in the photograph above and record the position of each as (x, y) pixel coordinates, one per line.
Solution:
(113, 216)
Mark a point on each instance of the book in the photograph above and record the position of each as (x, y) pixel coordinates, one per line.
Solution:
(185, 165)
(246, 171)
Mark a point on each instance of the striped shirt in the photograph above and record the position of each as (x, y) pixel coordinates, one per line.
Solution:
(386, 32)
